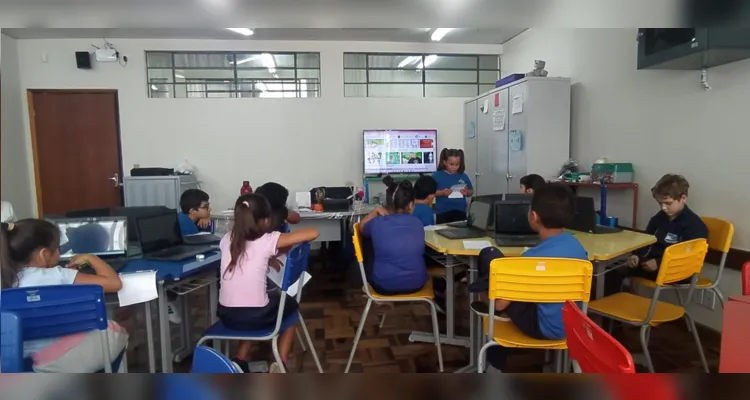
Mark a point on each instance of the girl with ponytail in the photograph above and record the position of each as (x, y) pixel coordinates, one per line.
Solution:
(449, 207)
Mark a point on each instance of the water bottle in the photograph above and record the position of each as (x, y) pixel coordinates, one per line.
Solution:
(245, 189)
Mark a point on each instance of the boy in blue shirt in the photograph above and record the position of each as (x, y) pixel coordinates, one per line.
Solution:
(552, 208)
(196, 212)
(424, 191)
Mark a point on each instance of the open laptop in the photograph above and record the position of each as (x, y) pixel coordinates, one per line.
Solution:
(585, 217)
(479, 214)
(512, 227)
(105, 237)
(160, 239)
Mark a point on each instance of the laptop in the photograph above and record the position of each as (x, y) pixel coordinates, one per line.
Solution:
(512, 227)
(479, 214)
(105, 237)
(161, 239)
(584, 218)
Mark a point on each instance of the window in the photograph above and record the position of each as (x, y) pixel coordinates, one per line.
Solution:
(232, 74)
(419, 75)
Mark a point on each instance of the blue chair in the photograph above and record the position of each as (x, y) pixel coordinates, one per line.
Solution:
(11, 349)
(296, 265)
(54, 311)
(209, 361)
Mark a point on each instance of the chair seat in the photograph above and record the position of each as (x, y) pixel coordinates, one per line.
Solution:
(427, 292)
(703, 282)
(633, 308)
(218, 330)
(507, 334)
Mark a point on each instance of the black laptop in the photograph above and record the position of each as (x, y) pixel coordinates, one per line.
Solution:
(585, 217)
(479, 214)
(512, 227)
(161, 239)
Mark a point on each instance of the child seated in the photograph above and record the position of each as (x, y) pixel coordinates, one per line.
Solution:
(196, 212)
(277, 196)
(244, 302)
(674, 223)
(551, 210)
(531, 182)
(424, 191)
(397, 236)
(29, 256)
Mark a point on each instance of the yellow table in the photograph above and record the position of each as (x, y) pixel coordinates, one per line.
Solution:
(601, 248)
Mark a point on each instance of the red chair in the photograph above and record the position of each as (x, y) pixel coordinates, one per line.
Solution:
(746, 279)
(592, 350)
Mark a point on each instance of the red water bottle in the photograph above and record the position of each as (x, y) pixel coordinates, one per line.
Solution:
(245, 189)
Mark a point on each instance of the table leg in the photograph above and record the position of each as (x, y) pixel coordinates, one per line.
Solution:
(150, 337)
(186, 348)
(475, 331)
(164, 334)
(599, 269)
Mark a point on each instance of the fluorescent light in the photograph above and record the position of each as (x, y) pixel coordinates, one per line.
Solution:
(408, 60)
(440, 33)
(269, 62)
(154, 87)
(178, 76)
(242, 31)
(246, 60)
(429, 60)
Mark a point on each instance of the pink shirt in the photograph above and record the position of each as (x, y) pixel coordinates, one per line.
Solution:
(245, 286)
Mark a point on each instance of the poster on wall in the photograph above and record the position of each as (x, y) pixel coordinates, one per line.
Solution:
(517, 104)
(498, 120)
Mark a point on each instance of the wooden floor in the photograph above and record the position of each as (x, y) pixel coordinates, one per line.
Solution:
(332, 307)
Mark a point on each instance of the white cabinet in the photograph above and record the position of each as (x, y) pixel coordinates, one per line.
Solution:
(518, 129)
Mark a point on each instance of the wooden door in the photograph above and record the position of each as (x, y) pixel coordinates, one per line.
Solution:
(76, 144)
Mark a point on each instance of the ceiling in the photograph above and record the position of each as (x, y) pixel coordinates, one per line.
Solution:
(458, 35)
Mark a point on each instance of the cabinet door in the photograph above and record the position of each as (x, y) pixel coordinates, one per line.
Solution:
(471, 142)
(517, 127)
(493, 145)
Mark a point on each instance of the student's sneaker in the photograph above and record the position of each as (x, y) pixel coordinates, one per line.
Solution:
(275, 368)
(173, 313)
(483, 309)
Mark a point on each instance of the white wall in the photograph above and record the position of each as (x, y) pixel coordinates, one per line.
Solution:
(298, 142)
(16, 183)
(661, 121)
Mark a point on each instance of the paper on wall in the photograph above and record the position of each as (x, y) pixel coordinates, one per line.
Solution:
(517, 103)
(137, 287)
(498, 120)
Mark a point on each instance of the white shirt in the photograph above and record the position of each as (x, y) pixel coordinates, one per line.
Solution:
(32, 276)
(6, 212)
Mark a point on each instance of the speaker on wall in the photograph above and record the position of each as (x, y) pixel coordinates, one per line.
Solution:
(83, 59)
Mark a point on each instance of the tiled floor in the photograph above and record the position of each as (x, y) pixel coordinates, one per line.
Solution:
(332, 307)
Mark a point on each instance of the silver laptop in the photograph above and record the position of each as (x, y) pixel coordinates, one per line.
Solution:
(106, 237)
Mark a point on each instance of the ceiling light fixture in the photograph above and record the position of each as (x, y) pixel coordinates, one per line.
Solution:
(154, 87)
(429, 60)
(242, 31)
(178, 76)
(246, 60)
(440, 33)
(408, 60)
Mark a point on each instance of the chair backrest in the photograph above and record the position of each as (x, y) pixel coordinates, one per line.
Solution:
(746, 279)
(540, 280)
(11, 343)
(54, 311)
(720, 234)
(357, 239)
(591, 347)
(296, 265)
(209, 361)
(681, 261)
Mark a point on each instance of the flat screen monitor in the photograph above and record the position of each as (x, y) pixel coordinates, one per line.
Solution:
(400, 151)
(104, 236)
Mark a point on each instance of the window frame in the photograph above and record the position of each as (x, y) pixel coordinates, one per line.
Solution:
(478, 83)
(236, 81)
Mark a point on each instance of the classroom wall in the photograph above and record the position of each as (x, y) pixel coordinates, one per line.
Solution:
(15, 180)
(661, 121)
(299, 142)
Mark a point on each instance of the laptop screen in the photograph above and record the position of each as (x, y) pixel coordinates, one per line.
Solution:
(480, 214)
(156, 232)
(106, 236)
(512, 217)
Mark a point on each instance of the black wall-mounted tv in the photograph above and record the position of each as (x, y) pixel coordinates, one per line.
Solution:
(691, 48)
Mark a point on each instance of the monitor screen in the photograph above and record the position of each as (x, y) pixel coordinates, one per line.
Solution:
(156, 232)
(400, 151)
(100, 236)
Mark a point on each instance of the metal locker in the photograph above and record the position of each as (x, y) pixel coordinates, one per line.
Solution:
(471, 143)
(157, 190)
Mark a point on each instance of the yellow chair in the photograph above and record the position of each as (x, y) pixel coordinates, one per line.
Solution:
(680, 261)
(534, 280)
(426, 294)
(720, 234)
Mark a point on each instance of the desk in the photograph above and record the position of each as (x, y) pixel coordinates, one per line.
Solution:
(602, 249)
(171, 275)
(735, 354)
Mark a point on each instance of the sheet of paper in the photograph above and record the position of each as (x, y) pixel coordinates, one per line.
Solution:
(434, 227)
(456, 191)
(476, 244)
(303, 199)
(455, 195)
(277, 276)
(498, 120)
(137, 287)
(517, 104)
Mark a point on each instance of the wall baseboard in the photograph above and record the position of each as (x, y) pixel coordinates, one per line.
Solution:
(735, 258)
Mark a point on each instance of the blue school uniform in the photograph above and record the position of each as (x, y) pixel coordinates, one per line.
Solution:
(398, 245)
(563, 245)
(446, 181)
(424, 213)
(687, 225)
(188, 226)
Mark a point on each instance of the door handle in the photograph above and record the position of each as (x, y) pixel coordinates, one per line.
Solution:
(116, 179)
